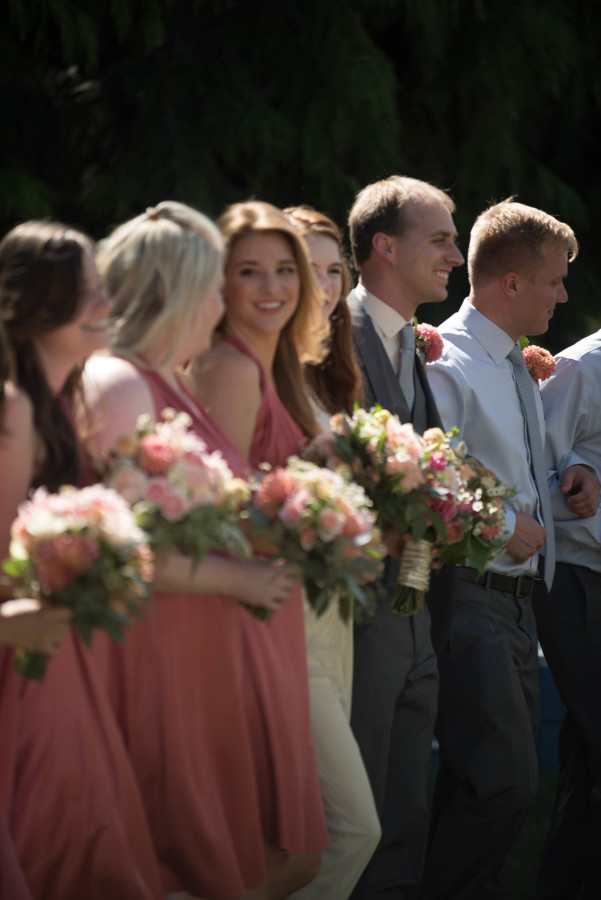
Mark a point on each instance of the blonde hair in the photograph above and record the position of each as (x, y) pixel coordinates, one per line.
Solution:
(302, 338)
(157, 268)
(510, 236)
(382, 207)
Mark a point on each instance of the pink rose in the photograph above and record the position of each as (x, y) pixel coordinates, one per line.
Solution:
(173, 506)
(155, 455)
(292, 511)
(130, 483)
(330, 524)
(156, 490)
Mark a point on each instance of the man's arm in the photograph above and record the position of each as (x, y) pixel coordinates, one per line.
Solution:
(570, 431)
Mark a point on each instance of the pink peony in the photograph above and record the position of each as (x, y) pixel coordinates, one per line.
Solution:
(490, 532)
(539, 362)
(155, 455)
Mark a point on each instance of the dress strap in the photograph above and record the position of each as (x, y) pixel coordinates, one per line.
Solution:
(237, 343)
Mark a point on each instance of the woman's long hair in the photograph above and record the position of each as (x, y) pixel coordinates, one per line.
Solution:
(41, 285)
(302, 338)
(336, 380)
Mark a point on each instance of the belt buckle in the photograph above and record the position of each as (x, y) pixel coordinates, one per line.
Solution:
(520, 582)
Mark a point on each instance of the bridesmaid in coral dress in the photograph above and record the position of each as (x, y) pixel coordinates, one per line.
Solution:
(177, 682)
(252, 384)
(67, 792)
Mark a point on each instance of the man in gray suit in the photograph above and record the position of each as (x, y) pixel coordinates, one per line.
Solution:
(403, 242)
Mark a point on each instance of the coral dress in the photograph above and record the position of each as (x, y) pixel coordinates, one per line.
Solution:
(12, 881)
(67, 792)
(176, 684)
(277, 683)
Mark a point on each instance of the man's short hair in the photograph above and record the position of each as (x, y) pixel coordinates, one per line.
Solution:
(509, 237)
(382, 207)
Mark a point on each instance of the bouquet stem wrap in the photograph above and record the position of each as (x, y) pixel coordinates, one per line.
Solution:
(414, 578)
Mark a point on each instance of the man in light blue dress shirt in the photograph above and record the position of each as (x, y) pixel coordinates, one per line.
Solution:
(489, 706)
(569, 627)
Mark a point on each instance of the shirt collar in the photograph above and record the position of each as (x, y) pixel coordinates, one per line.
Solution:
(388, 320)
(495, 341)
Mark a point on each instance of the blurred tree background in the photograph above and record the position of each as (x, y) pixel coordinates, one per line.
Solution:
(109, 106)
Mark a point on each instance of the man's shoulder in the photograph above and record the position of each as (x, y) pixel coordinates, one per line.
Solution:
(586, 351)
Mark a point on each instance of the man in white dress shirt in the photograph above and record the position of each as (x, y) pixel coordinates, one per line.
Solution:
(569, 627)
(489, 704)
(403, 239)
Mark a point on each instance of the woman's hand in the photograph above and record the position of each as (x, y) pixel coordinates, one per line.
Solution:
(28, 625)
(262, 583)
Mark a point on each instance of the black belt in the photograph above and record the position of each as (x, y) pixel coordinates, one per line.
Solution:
(518, 585)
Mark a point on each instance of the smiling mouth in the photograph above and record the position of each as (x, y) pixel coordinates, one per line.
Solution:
(102, 325)
(270, 307)
(444, 276)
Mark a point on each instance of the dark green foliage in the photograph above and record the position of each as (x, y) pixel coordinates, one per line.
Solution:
(109, 107)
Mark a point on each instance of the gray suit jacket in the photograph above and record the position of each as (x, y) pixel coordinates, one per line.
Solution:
(381, 385)
(380, 382)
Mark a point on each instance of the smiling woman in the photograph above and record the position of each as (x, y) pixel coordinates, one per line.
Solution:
(252, 383)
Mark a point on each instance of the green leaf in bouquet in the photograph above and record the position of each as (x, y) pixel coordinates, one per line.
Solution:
(478, 554)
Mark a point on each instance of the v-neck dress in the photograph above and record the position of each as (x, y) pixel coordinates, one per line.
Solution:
(177, 689)
(276, 675)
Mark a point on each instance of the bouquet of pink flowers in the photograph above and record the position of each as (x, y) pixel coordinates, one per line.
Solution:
(315, 518)
(183, 496)
(417, 485)
(81, 549)
(482, 534)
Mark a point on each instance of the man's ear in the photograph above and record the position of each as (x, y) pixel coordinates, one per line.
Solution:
(383, 245)
(510, 283)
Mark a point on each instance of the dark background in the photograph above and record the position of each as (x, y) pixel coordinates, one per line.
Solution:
(108, 106)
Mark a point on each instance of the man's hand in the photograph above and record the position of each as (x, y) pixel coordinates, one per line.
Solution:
(528, 537)
(582, 489)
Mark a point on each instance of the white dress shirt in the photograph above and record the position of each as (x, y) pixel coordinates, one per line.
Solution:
(475, 390)
(572, 403)
(387, 322)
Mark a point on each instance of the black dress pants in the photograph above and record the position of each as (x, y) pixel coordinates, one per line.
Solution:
(488, 716)
(569, 625)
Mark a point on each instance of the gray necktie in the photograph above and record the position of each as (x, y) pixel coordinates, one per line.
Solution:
(407, 365)
(526, 389)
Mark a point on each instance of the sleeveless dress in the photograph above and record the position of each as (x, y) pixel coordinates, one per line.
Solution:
(176, 686)
(67, 791)
(12, 881)
(276, 675)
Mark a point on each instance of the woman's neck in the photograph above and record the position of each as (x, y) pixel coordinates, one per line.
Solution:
(263, 347)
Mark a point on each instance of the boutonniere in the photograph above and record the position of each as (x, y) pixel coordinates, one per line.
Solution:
(428, 342)
(539, 362)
